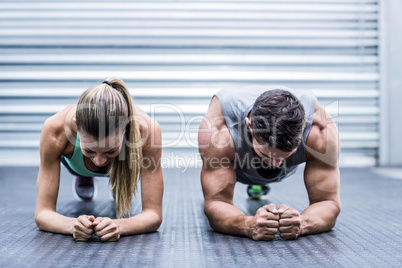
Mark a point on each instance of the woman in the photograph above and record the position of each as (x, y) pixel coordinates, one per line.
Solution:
(104, 135)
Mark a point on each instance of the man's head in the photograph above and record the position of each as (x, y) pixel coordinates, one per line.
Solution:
(277, 120)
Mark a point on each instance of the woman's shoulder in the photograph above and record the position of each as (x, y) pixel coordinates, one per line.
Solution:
(59, 129)
(146, 123)
(149, 128)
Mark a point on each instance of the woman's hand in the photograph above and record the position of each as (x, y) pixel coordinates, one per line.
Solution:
(83, 228)
(106, 229)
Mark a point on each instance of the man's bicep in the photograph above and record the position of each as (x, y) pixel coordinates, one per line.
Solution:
(322, 182)
(218, 184)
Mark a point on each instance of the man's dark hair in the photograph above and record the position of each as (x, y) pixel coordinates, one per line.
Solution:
(277, 120)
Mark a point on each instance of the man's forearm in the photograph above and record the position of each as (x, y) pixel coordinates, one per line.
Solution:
(227, 219)
(319, 217)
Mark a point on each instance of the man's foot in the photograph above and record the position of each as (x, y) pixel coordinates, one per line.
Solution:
(256, 191)
(84, 188)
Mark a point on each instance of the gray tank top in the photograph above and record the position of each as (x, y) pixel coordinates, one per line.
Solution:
(236, 103)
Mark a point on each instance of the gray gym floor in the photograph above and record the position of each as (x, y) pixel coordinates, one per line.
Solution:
(368, 232)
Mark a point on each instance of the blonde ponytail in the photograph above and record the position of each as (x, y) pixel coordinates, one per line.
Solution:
(124, 175)
(107, 103)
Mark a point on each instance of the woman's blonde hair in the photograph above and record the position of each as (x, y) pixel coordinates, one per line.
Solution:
(106, 108)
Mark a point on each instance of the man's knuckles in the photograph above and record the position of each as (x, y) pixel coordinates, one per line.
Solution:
(261, 212)
(261, 222)
(273, 224)
(289, 236)
(290, 213)
(270, 207)
(273, 217)
(290, 222)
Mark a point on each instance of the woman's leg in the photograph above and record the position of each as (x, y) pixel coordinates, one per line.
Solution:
(83, 187)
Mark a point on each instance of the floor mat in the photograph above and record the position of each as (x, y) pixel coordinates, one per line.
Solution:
(368, 232)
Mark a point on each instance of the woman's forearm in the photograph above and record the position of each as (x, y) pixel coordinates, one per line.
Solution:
(146, 222)
(51, 221)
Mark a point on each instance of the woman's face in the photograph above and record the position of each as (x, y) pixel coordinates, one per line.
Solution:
(101, 152)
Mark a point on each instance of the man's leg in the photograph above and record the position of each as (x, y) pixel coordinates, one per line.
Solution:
(256, 191)
(256, 186)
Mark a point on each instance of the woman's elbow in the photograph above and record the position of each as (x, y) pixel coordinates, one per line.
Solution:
(156, 223)
(39, 221)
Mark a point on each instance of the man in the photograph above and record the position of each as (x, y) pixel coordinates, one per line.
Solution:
(256, 136)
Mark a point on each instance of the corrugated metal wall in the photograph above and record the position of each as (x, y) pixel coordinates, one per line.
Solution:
(179, 53)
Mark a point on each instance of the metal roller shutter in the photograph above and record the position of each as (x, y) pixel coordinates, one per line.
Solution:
(179, 53)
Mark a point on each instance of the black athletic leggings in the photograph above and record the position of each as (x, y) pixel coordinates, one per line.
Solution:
(68, 167)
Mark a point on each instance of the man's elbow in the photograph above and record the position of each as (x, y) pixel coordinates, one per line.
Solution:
(209, 213)
(336, 211)
(338, 208)
(207, 209)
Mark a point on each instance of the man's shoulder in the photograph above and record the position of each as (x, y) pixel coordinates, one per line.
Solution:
(323, 143)
(214, 138)
(214, 120)
(216, 143)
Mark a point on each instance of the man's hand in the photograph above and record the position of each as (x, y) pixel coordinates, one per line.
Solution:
(106, 229)
(289, 222)
(265, 223)
(83, 228)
